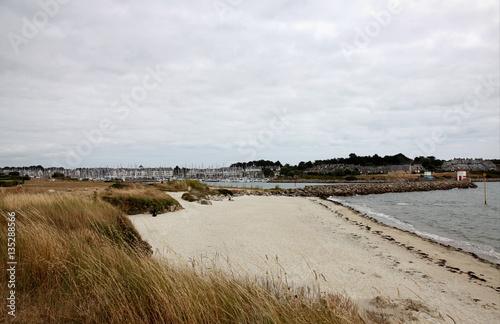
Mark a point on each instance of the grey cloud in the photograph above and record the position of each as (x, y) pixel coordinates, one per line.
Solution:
(222, 77)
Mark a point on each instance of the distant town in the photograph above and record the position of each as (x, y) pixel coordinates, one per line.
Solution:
(262, 170)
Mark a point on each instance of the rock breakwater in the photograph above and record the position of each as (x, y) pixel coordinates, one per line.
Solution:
(325, 191)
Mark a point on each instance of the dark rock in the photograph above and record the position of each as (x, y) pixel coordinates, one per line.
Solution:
(326, 191)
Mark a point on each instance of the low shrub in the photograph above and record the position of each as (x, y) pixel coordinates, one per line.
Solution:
(8, 183)
(139, 201)
(189, 197)
(225, 192)
(12, 179)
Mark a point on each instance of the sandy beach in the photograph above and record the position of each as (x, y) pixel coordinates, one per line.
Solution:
(316, 243)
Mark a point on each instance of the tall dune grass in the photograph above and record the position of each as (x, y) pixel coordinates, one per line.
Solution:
(70, 270)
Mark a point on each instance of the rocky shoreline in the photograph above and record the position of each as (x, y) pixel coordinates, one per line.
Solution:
(330, 181)
(325, 191)
(344, 181)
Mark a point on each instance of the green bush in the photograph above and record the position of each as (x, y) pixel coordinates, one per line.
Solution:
(12, 179)
(58, 175)
(140, 201)
(189, 197)
(8, 183)
(225, 192)
(132, 205)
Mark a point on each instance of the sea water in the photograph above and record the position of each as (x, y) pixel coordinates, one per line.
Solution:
(457, 217)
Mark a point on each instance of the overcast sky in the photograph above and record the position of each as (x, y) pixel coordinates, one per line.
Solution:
(165, 83)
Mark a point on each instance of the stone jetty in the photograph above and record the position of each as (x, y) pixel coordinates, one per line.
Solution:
(325, 191)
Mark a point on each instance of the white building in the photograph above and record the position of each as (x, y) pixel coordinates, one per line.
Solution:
(461, 175)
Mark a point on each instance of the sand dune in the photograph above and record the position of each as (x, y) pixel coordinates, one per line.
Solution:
(316, 243)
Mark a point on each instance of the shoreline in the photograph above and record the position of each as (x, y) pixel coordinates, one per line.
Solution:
(312, 242)
(372, 219)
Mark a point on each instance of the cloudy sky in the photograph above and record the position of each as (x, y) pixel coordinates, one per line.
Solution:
(165, 83)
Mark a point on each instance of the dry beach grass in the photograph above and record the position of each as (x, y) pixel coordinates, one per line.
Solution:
(80, 261)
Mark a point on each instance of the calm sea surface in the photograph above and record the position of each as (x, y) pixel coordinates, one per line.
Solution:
(456, 217)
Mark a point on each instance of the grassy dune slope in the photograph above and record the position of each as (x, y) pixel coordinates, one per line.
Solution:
(81, 261)
(140, 201)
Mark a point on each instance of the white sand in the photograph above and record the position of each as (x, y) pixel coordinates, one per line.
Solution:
(309, 241)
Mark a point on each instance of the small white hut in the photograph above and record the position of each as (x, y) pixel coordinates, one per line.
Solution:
(461, 175)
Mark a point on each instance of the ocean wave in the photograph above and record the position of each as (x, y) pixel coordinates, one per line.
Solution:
(435, 237)
(482, 250)
(364, 209)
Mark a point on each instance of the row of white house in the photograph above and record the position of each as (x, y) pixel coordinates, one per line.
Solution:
(96, 173)
(160, 173)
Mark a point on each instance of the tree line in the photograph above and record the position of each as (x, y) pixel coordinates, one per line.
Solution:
(429, 163)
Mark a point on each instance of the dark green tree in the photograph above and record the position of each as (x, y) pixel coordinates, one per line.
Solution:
(267, 172)
(58, 175)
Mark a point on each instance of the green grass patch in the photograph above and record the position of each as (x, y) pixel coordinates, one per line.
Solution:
(140, 201)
